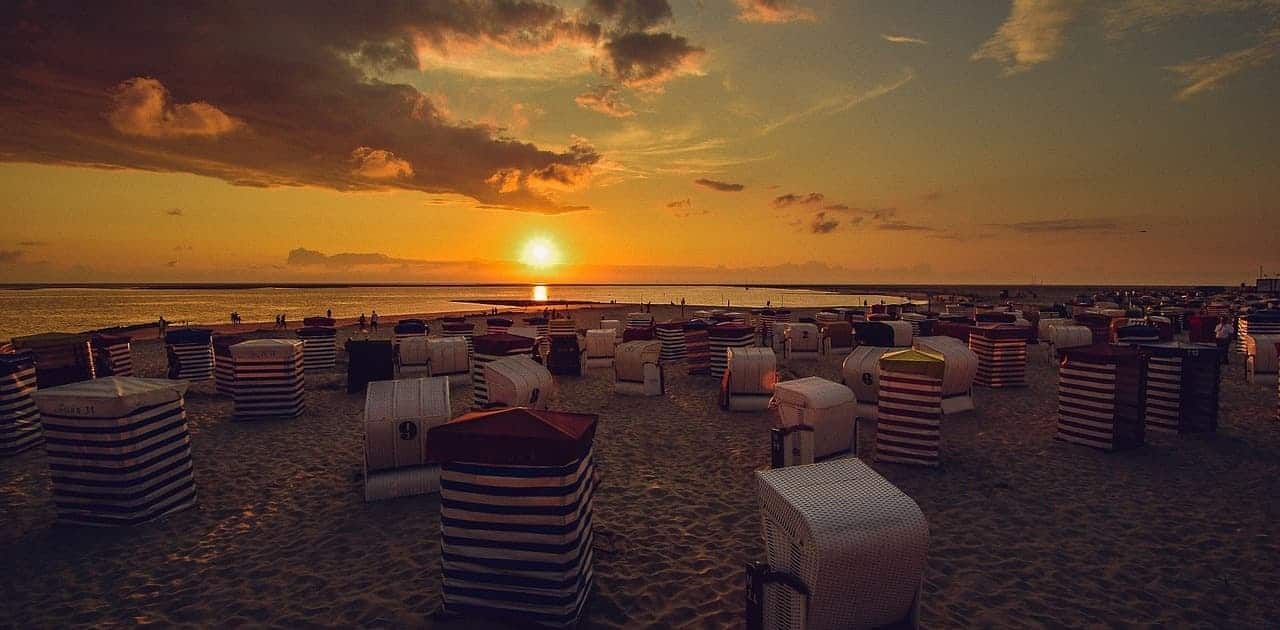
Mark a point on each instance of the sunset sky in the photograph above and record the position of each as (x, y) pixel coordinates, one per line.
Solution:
(822, 141)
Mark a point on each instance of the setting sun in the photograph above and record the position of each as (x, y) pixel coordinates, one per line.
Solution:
(540, 253)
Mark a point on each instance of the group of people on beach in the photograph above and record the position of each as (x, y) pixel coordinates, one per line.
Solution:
(370, 323)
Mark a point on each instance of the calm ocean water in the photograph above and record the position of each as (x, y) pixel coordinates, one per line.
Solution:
(28, 311)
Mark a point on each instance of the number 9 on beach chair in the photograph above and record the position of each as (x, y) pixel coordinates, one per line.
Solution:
(518, 382)
(397, 416)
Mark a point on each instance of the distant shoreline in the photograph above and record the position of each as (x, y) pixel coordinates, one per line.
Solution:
(823, 287)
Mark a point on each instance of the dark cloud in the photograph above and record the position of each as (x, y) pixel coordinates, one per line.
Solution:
(1062, 225)
(683, 209)
(288, 93)
(171, 263)
(173, 212)
(797, 199)
(605, 99)
(718, 185)
(648, 60)
(631, 15)
(9, 256)
(875, 214)
(822, 224)
(900, 226)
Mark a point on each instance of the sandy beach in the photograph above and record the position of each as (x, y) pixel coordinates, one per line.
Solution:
(1024, 531)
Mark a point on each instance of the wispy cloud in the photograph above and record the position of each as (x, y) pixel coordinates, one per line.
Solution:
(1210, 73)
(32, 243)
(903, 39)
(772, 11)
(173, 212)
(718, 185)
(1152, 15)
(841, 103)
(1034, 33)
(679, 203)
(606, 100)
(1053, 226)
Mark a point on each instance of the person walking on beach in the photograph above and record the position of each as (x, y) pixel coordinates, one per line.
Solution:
(373, 321)
(362, 321)
(163, 325)
(328, 313)
(283, 323)
(1223, 334)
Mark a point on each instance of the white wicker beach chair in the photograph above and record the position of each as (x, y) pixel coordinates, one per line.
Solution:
(636, 369)
(855, 542)
(448, 357)
(600, 348)
(749, 379)
(414, 358)
(803, 342)
(826, 406)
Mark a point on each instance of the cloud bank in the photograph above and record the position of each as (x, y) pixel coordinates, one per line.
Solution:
(295, 93)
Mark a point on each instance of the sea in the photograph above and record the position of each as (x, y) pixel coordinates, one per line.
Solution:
(33, 309)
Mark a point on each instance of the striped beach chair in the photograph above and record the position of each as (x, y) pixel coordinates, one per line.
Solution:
(269, 379)
(516, 516)
(113, 355)
(1182, 387)
(1002, 355)
(1102, 397)
(697, 348)
(319, 348)
(61, 358)
(190, 354)
(909, 415)
(19, 417)
(224, 369)
(671, 334)
(119, 450)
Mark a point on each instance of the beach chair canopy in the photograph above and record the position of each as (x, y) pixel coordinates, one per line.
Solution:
(514, 436)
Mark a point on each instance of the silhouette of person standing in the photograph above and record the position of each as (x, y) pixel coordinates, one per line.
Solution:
(373, 321)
